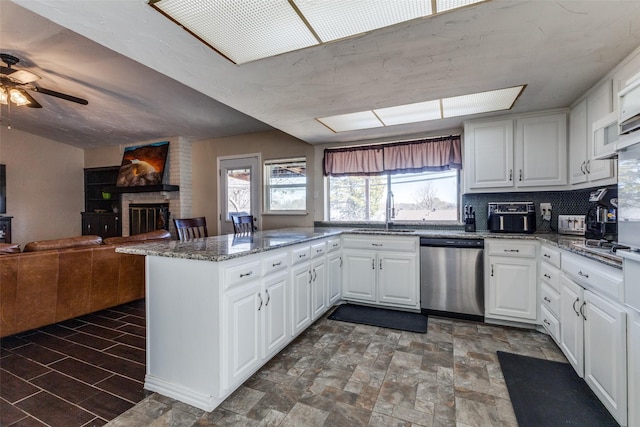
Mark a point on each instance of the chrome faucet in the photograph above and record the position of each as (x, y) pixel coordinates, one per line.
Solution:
(391, 209)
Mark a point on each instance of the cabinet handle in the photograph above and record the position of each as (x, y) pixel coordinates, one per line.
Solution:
(546, 322)
(266, 291)
(547, 276)
(582, 310)
(546, 256)
(302, 255)
(105, 227)
(315, 274)
(260, 306)
(376, 244)
(89, 227)
(373, 264)
(574, 307)
(335, 245)
(547, 300)
(520, 177)
(512, 250)
(491, 270)
(310, 276)
(246, 274)
(580, 273)
(582, 169)
(340, 261)
(380, 263)
(318, 251)
(587, 166)
(510, 174)
(275, 264)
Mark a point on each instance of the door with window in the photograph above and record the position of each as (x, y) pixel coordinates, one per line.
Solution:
(239, 190)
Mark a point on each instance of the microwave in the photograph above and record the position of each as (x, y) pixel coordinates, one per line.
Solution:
(605, 137)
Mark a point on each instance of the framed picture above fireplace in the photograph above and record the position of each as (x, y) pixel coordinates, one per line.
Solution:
(143, 165)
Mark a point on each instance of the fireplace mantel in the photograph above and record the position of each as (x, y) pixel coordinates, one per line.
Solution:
(143, 189)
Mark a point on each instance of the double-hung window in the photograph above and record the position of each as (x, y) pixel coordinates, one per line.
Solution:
(285, 185)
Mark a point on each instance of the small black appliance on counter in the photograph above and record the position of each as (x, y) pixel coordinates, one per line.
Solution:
(512, 217)
(601, 218)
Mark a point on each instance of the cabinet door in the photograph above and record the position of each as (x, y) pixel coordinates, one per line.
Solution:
(301, 297)
(512, 288)
(633, 358)
(359, 275)
(489, 154)
(578, 143)
(398, 279)
(334, 278)
(318, 288)
(605, 353)
(243, 334)
(541, 151)
(275, 312)
(599, 104)
(571, 323)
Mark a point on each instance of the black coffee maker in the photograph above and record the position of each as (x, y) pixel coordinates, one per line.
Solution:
(601, 219)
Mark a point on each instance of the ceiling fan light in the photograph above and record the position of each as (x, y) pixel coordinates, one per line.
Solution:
(17, 97)
(4, 98)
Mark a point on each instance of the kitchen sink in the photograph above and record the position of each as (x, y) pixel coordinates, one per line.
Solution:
(383, 230)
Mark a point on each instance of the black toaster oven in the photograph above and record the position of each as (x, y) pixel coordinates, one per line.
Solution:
(511, 217)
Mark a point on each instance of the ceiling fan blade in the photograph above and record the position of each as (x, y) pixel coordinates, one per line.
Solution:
(24, 76)
(60, 95)
(32, 102)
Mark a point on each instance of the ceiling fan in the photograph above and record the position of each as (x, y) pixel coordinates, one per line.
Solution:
(14, 85)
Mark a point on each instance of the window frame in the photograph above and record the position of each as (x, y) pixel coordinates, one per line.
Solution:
(267, 186)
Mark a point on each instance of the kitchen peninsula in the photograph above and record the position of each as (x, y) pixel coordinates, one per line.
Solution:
(219, 308)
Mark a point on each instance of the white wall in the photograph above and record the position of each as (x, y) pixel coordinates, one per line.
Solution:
(45, 191)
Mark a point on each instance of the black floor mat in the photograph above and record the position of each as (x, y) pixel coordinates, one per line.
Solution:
(385, 318)
(548, 393)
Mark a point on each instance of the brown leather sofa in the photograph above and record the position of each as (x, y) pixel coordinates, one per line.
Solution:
(55, 280)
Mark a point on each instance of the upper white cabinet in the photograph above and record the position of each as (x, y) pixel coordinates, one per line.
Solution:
(583, 166)
(525, 153)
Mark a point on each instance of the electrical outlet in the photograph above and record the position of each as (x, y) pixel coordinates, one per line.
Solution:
(545, 210)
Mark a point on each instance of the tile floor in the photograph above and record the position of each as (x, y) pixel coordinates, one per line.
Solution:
(82, 372)
(334, 374)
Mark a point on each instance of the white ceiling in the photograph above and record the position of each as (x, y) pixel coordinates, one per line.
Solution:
(146, 78)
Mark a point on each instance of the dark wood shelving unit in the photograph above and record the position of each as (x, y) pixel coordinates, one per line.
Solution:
(102, 215)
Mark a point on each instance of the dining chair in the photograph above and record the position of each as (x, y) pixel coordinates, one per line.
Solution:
(242, 224)
(191, 228)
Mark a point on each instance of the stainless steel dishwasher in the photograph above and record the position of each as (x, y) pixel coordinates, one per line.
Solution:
(452, 277)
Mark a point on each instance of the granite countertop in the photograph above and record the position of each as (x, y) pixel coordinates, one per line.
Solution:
(220, 248)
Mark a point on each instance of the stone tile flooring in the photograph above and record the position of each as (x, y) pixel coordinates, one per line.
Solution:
(82, 372)
(341, 374)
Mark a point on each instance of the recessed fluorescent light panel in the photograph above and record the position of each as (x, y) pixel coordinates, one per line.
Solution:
(474, 103)
(247, 30)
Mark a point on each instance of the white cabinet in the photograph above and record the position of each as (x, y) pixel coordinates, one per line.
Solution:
(318, 287)
(511, 270)
(275, 313)
(550, 290)
(381, 270)
(583, 166)
(521, 153)
(593, 330)
(541, 150)
(334, 271)
(633, 358)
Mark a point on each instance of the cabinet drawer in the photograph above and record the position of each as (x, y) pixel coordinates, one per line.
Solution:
(551, 299)
(550, 323)
(333, 245)
(299, 255)
(275, 263)
(550, 255)
(318, 249)
(514, 248)
(241, 273)
(407, 244)
(550, 275)
(594, 275)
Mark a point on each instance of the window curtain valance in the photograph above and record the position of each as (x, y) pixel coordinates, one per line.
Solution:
(426, 155)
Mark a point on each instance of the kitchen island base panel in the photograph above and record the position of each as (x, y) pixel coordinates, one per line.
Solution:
(183, 331)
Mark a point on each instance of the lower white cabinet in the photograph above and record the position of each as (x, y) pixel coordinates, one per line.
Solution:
(381, 270)
(334, 271)
(318, 287)
(593, 331)
(511, 270)
(633, 359)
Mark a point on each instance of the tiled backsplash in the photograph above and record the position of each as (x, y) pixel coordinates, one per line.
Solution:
(574, 202)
